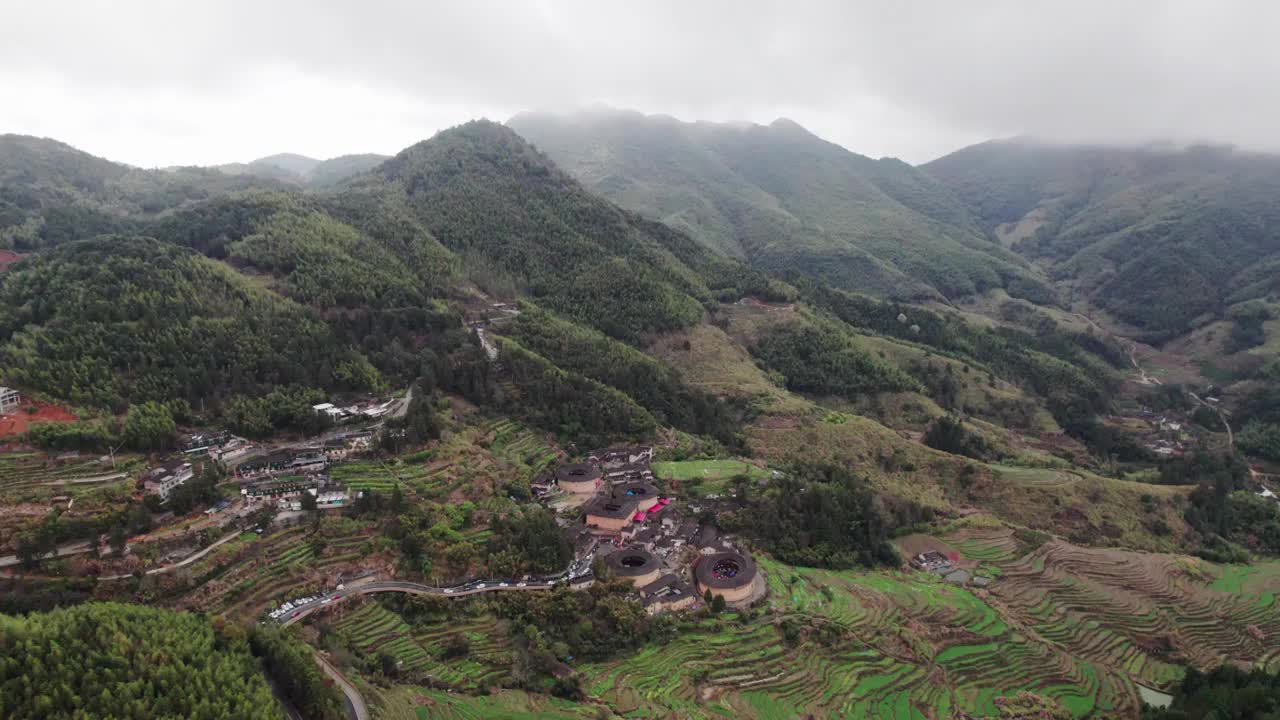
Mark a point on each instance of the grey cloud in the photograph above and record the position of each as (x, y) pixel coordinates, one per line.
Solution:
(906, 79)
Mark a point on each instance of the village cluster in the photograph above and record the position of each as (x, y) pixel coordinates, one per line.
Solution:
(281, 475)
(1164, 435)
(673, 562)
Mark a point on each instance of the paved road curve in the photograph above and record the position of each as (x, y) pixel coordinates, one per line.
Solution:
(411, 588)
(356, 708)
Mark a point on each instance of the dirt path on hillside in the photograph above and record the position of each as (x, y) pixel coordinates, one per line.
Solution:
(1145, 378)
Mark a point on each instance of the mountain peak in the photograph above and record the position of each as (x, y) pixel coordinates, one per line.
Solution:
(788, 125)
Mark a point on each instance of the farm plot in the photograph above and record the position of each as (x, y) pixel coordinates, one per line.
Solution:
(709, 476)
(415, 703)
(517, 444)
(1075, 625)
(1145, 615)
(284, 564)
(32, 474)
(371, 630)
(906, 646)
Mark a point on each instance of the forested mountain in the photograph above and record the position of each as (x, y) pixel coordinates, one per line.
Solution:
(325, 252)
(1165, 239)
(51, 193)
(352, 285)
(524, 225)
(114, 320)
(783, 199)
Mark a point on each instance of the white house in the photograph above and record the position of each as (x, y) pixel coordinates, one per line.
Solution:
(9, 400)
(162, 480)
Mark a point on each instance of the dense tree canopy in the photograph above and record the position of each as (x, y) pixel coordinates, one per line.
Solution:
(1226, 692)
(822, 359)
(115, 319)
(823, 515)
(104, 660)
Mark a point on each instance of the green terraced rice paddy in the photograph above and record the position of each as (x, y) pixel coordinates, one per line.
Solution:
(415, 703)
(707, 469)
(1069, 627)
(371, 629)
(886, 670)
(1233, 578)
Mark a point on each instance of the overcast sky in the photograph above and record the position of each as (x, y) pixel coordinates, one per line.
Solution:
(205, 81)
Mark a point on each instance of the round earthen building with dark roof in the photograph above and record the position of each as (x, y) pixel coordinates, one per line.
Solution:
(635, 564)
(580, 478)
(726, 574)
(645, 493)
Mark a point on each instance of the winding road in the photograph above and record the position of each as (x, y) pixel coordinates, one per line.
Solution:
(472, 588)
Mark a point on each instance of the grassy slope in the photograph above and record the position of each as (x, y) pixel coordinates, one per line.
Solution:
(791, 427)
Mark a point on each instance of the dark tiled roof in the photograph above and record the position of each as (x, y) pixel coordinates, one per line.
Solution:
(607, 507)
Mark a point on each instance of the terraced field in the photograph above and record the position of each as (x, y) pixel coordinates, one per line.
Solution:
(24, 474)
(474, 463)
(516, 444)
(1076, 625)
(414, 703)
(283, 564)
(1143, 614)
(371, 629)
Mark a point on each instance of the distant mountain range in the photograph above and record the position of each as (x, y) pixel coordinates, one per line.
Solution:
(302, 170)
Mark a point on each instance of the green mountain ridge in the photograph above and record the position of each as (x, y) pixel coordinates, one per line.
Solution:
(784, 199)
(1163, 239)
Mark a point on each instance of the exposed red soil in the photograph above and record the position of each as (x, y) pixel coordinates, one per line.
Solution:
(7, 258)
(18, 422)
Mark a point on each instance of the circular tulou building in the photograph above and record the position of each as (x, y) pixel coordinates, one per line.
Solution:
(635, 564)
(646, 494)
(726, 574)
(579, 478)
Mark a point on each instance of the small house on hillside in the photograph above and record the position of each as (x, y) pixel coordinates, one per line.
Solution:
(932, 561)
(162, 480)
